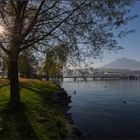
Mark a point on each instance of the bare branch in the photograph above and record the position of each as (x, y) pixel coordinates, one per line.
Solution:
(64, 20)
(44, 11)
(33, 21)
(24, 8)
(13, 5)
(3, 48)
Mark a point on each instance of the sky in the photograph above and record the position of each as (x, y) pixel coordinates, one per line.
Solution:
(130, 44)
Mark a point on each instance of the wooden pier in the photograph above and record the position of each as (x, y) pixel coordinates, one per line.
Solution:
(95, 78)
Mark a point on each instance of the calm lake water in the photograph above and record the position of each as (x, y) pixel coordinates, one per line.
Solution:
(106, 109)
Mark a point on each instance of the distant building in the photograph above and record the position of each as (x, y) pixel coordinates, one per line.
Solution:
(112, 74)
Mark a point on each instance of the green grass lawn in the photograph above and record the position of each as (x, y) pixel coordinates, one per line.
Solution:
(38, 118)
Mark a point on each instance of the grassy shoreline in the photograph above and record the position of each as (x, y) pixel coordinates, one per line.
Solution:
(39, 117)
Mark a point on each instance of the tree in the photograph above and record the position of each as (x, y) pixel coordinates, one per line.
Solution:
(27, 64)
(55, 60)
(42, 24)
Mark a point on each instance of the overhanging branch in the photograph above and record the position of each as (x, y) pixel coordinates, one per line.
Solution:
(64, 20)
(3, 48)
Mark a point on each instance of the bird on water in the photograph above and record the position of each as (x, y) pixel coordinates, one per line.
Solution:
(124, 102)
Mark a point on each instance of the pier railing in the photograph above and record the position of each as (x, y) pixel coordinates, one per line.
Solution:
(86, 78)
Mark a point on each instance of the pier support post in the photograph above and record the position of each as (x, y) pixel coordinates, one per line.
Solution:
(85, 79)
(74, 79)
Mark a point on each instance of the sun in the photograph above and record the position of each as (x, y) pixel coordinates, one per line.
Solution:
(2, 30)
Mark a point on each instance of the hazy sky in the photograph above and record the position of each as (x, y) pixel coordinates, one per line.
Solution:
(131, 43)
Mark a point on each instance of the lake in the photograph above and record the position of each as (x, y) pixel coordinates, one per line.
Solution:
(106, 109)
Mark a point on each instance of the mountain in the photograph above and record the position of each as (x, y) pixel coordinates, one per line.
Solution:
(123, 63)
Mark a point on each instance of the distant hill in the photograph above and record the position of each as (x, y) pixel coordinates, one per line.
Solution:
(123, 63)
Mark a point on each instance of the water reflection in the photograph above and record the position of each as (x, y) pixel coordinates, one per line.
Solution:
(106, 109)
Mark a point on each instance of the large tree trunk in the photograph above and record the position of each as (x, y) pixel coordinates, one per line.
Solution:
(14, 81)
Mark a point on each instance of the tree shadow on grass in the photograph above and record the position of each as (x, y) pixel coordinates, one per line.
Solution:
(4, 85)
(39, 91)
(18, 119)
(59, 98)
(55, 100)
